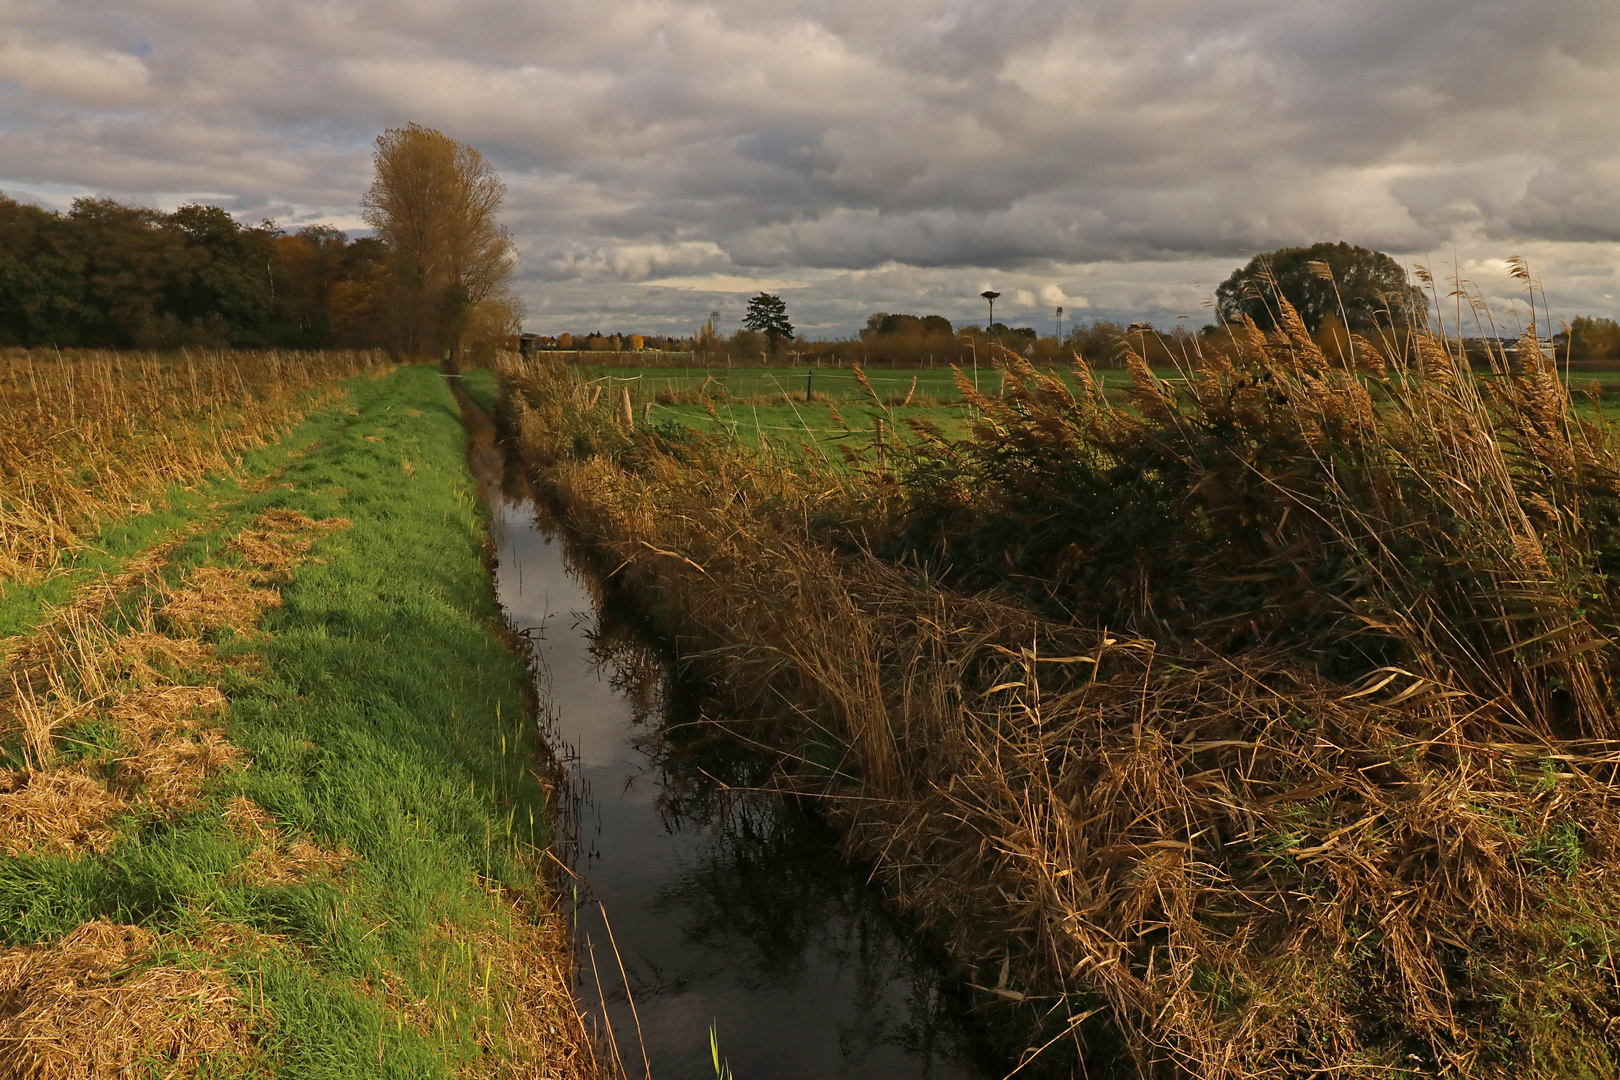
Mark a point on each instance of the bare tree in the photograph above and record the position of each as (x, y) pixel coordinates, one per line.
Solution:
(434, 203)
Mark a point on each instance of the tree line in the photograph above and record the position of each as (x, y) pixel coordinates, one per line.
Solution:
(108, 274)
(434, 279)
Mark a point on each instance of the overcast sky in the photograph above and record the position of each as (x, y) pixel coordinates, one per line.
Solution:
(665, 157)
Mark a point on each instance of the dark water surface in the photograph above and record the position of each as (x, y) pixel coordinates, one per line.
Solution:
(727, 909)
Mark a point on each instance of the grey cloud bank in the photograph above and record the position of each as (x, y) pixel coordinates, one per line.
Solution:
(666, 157)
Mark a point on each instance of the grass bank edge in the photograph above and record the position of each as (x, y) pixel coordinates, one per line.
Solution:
(384, 713)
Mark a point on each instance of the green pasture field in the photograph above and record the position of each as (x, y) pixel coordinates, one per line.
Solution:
(1606, 384)
(793, 428)
(764, 407)
(936, 385)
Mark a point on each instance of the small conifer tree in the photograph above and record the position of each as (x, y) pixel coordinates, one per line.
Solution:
(767, 315)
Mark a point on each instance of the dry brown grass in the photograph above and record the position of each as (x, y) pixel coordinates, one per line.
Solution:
(216, 598)
(79, 668)
(280, 539)
(98, 1004)
(95, 596)
(170, 750)
(94, 434)
(1249, 869)
(55, 811)
(225, 597)
(274, 857)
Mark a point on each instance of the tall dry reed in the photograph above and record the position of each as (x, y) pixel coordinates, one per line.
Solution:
(1237, 854)
(1418, 524)
(88, 435)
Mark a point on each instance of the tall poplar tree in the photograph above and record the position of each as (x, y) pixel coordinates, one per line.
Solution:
(434, 204)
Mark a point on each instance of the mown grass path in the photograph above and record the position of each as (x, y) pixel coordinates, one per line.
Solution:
(383, 756)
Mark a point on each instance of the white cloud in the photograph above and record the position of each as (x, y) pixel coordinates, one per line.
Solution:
(73, 73)
(888, 153)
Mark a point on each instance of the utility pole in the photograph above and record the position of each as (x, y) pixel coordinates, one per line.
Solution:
(1060, 327)
(990, 295)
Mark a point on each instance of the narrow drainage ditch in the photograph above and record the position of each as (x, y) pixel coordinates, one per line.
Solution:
(725, 907)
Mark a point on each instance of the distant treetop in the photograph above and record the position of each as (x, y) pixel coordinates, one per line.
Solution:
(883, 324)
(1369, 286)
(106, 274)
(767, 315)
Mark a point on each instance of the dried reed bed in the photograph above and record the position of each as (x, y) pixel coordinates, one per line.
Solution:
(1247, 867)
(87, 435)
(1416, 523)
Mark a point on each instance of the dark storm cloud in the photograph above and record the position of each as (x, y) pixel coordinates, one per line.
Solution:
(856, 145)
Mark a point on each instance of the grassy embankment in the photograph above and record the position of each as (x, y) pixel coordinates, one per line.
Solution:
(269, 799)
(1261, 727)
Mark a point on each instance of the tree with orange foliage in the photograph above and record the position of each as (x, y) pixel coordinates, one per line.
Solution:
(434, 203)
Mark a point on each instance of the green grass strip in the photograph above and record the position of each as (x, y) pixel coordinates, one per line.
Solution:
(382, 712)
(484, 387)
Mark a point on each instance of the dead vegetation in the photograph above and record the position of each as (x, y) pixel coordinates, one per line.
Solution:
(217, 597)
(94, 434)
(100, 1003)
(93, 597)
(274, 857)
(1335, 793)
(529, 954)
(160, 742)
(166, 744)
(518, 965)
(55, 811)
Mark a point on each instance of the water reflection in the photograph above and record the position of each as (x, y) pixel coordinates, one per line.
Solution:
(726, 904)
